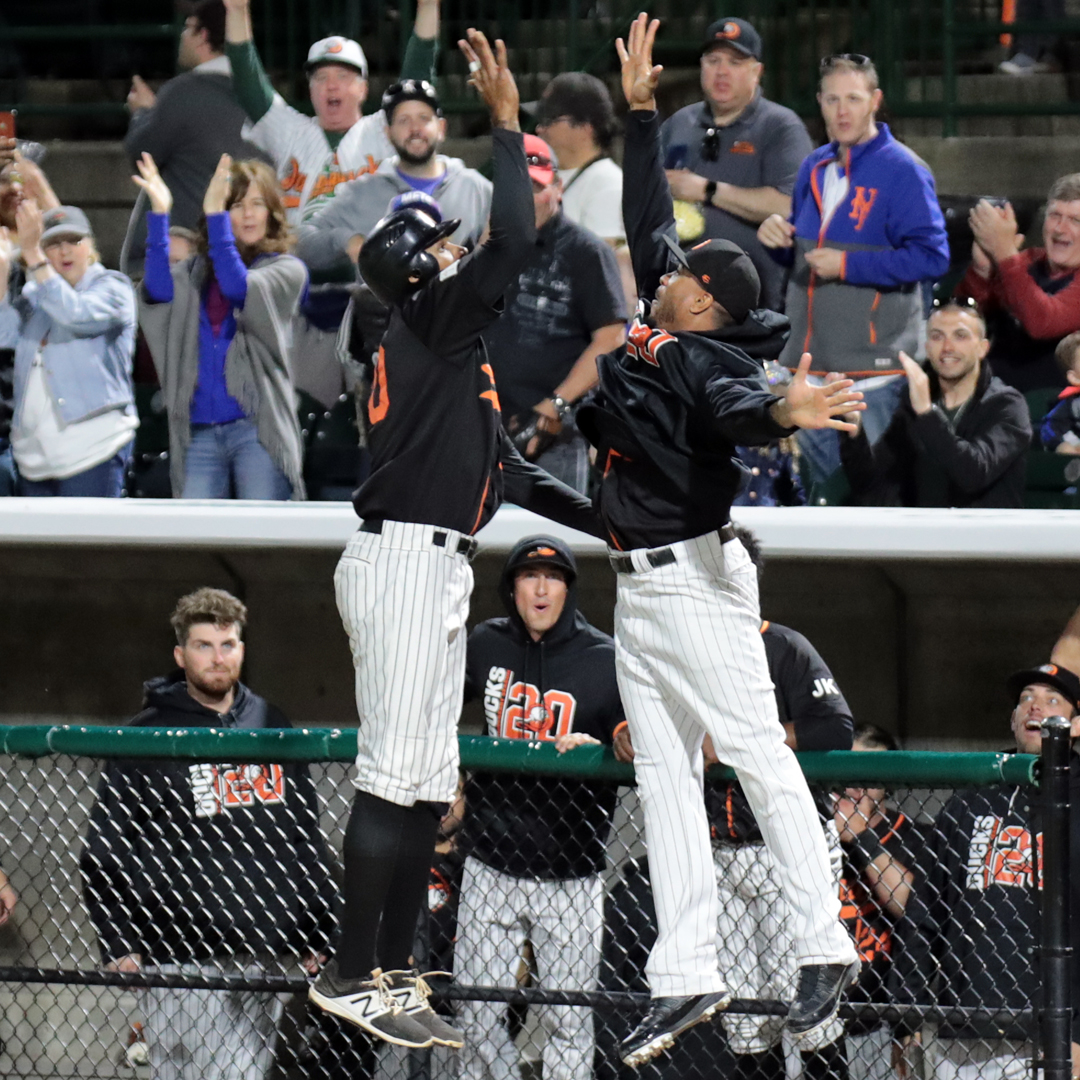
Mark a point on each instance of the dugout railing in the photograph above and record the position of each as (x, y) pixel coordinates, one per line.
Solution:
(62, 1014)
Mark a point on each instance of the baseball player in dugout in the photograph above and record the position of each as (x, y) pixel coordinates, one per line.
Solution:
(668, 412)
(440, 467)
(982, 885)
(313, 155)
(535, 845)
(207, 870)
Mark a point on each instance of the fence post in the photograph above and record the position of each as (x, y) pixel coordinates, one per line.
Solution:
(1056, 951)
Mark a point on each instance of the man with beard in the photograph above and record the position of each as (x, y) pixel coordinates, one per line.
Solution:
(416, 129)
(669, 411)
(206, 869)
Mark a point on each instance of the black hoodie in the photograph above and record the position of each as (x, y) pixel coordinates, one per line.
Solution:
(923, 461)
(187, 861)
(538, 826)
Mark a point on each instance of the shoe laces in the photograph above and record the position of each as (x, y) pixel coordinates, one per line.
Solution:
(423, 990)
(381, 981)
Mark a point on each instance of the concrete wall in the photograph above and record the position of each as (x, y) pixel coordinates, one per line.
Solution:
(919, 647)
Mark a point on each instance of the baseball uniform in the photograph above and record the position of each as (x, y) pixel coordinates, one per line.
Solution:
(757, 951)
(311, 163)
(665, 419)
(244, 840)
(535, 845)
(440, 467)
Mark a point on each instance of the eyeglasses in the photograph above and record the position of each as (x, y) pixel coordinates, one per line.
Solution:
(710, 145)
(857, 59)
(538, 161)
(564, 118)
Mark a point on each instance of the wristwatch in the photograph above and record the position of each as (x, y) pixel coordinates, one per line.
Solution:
(562, 407)
(710, 191)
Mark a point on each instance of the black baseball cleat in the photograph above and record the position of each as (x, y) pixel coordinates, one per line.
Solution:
(667, 1018)
(817, 999)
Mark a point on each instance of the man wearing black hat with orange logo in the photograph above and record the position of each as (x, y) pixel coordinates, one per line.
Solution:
(968, 942)
(736, 154)
(669, 410)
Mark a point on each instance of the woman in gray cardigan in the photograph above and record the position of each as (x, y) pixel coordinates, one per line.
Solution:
(218, 327)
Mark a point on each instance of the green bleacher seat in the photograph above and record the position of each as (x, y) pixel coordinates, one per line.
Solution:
(1051, 481)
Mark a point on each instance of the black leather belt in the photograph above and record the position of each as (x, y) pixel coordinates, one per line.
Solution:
(657, 557)
(466, 545)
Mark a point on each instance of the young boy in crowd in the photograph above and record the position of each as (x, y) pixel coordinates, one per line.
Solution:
(1061, 425)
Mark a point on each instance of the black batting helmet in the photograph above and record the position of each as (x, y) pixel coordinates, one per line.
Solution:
(409, 90)
(396, 252)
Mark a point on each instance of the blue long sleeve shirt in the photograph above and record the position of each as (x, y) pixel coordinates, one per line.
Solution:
(211, 403)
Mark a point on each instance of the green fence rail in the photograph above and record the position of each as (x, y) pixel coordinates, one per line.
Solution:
(910, 768)
(921, 48)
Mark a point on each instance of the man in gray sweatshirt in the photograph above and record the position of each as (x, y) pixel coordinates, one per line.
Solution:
(416, 129)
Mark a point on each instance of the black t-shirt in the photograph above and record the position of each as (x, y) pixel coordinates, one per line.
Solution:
(806, 696)
(569, 289)
(1017, 358)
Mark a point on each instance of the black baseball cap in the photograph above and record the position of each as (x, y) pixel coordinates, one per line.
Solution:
(737, 34)
(409, 90)
(1046, 675)
(726, 271)
(541, 551)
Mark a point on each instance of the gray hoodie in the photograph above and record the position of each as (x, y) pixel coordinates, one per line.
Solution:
(360, 204)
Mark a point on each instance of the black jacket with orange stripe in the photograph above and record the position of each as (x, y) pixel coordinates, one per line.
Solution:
(670, 408)
(808, 697)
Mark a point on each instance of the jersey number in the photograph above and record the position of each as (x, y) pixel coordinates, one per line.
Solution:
(379, 402)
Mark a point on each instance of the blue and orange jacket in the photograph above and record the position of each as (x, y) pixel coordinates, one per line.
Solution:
(892, 233)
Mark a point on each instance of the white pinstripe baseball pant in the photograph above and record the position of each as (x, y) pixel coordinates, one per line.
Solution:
(210, 1034)
(404, 602)
(562, 920)
(753, 937)
(690, 659)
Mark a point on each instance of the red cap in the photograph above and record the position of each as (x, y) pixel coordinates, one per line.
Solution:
(541, 160)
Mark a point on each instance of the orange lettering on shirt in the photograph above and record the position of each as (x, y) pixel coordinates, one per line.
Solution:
(296, 180)
(861, 206)
(742, 147)
(644, 342)
(328, 182)
(379, 402)
(527, 718)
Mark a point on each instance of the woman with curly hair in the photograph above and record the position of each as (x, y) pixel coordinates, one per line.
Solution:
(218, 326)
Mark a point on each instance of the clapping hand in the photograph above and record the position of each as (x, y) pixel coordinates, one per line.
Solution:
(640, 75)
(918, 385)
(218, 191)
(150, 180)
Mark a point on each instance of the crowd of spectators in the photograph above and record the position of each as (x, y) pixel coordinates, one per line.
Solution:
(848, 241)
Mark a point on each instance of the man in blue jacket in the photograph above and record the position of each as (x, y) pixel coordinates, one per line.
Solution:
(865, 232)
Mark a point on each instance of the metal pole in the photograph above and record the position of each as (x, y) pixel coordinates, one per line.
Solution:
(1055, 944)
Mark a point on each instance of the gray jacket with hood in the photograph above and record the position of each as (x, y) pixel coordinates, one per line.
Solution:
(360, 204)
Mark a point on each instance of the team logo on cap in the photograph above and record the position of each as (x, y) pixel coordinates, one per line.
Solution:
(335, 46)
(729, 32)
(1049, 669)
(542, 552)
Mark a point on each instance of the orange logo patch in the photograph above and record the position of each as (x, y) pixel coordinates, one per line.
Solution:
(730, 32)
(861, 206)
(743, 147)
(336, 47)
(544, 551)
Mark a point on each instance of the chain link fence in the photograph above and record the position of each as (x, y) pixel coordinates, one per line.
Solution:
(169, 906)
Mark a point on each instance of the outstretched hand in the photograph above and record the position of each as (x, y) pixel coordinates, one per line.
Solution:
(640, 75)
(218, 190)
(150, 180)
(490, 74)
(807, 406)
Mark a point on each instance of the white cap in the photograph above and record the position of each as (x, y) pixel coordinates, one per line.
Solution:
(337, 50)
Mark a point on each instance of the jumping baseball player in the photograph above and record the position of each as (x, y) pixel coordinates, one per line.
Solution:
(535, 845)
(440, 467)
(313, 155)
(665, 419)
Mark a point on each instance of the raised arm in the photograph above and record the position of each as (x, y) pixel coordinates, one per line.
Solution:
(647, 207)
(423, 46)
(250, 82)
(229, 268)
(158, 278)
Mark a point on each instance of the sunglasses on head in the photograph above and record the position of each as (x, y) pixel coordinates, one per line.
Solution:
(710, 145)
(954, 302)
(858, 59)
